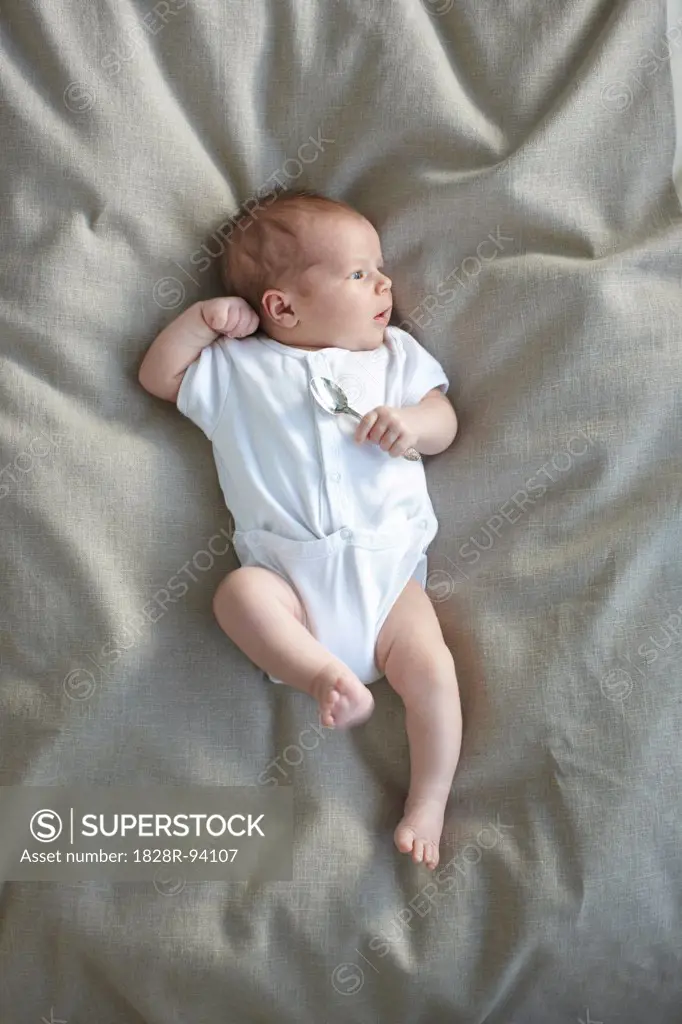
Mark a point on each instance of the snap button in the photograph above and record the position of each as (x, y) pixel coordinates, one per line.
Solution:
(424, 523)
(346, 534)
(335, 477)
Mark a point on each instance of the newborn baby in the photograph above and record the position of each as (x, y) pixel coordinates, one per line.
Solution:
(331, 522)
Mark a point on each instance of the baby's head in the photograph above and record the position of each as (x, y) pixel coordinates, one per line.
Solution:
(311, 268)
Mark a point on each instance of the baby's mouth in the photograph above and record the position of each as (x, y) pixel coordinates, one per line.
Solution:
(384, 316)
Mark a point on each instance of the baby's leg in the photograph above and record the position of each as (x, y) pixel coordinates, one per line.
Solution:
(263, 615)
(411, 650)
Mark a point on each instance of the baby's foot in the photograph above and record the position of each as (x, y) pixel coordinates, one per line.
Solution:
(420, 830)
(344, 701)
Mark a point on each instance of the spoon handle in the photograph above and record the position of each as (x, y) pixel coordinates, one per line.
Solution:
(412, 455)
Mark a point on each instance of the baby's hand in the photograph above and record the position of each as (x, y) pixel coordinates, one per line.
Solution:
(230, 316)
(388, 428)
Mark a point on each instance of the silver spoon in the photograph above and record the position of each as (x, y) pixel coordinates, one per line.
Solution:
(333, 398)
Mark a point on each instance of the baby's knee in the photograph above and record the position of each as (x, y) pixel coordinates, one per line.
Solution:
(437, 665)
(250, 588)
(417, 666)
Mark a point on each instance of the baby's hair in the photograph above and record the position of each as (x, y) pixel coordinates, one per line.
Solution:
(264, 244)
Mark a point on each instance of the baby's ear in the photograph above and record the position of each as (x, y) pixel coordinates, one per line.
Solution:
(275, 305)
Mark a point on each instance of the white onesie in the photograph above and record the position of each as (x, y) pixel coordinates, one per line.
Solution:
(346, 524)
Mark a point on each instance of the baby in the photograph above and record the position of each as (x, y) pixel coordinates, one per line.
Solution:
(331, 522)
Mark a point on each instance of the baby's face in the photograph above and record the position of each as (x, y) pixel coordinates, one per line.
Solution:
(344, 299)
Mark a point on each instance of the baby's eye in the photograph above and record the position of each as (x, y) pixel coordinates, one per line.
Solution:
(357, 272)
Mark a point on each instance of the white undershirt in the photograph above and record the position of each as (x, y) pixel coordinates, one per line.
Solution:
(284, 463)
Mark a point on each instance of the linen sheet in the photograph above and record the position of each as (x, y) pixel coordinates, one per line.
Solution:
(521, 162)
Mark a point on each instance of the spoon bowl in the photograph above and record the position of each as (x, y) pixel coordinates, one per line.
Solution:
(329, 395)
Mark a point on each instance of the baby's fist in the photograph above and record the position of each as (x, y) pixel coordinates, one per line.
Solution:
(230, 316)
(389, 428)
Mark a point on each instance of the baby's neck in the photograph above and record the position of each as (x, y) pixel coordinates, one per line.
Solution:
(321, 345)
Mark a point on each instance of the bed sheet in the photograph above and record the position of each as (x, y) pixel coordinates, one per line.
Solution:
(522, 164)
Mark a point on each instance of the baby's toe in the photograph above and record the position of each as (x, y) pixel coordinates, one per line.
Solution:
(431, 857)
(327, 717)
(404, 838)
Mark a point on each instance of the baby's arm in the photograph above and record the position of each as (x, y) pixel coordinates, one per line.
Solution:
(430, 426)
(433, 420)
(179, 344)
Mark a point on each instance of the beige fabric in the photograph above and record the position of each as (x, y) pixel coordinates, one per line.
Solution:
(517, 159)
